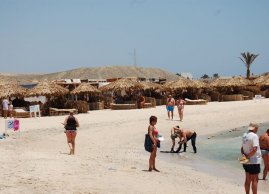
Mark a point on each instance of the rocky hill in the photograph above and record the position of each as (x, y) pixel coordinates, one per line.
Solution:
(93, 73)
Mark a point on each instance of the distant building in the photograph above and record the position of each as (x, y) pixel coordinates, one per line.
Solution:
(187, 75)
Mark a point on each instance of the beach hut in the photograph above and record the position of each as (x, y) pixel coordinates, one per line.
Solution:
(91, 94)
(122, 91)
(153, 92)
(54, 93)
(85, 88)
(186, 88)
(231, 89)
(122, 85)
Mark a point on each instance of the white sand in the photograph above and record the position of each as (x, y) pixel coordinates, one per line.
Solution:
(110, 156)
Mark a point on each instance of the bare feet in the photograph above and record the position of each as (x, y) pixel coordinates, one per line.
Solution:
(150, 169)
(156, 169)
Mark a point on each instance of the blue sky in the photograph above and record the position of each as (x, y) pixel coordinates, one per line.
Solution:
(197, 36)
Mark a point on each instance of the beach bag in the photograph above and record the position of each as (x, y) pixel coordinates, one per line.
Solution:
(158, 144)
(148, 143)
(16, 124)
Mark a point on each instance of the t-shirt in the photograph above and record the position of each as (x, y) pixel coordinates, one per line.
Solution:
(249, 141)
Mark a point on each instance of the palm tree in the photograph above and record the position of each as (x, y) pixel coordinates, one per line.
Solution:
(248, 58)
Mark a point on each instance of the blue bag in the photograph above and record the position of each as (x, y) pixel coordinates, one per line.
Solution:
(148, 143)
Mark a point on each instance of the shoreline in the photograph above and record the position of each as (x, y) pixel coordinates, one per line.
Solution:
(110, 156)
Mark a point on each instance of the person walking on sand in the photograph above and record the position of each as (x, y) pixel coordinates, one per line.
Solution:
(5, 103)
(10, 109)
(264, 145)
(174, 135)
(153, 133)
(70, 124)
(184, 136)
(170, 103)
(180, 107)
(251, 150)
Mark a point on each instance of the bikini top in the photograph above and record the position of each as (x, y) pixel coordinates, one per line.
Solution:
(154, 131)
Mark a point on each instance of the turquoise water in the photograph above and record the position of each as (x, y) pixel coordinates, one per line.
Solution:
(217, 155)
(225, 146)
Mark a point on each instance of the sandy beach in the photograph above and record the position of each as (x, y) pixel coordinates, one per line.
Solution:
(110, 156)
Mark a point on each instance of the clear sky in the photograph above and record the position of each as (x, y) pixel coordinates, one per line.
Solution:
(197, 36)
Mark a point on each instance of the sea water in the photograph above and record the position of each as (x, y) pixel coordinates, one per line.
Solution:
(217, 155)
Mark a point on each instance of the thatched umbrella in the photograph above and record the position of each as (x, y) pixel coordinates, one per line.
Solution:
(232, 82)
(152, 86)
(47, 89)
(85, 88)
(11, 90)
(184, 83)
(122, 84)
(262, 80)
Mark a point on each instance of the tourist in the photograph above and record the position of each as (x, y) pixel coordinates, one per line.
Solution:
(70, 124)
(10, 109)
(153, 133)
(141, 101)
(251, 150)
(184, 136)
(5, 103)
(170, 103)
(180, 107)
(174, 135)
(264, 145)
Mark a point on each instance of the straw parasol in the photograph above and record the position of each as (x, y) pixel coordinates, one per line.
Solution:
(232, 82)
(152, 86)
(262, 80)
(47, 89)
(11, 90)
(122, 84)
(85, 88)
(184, 83)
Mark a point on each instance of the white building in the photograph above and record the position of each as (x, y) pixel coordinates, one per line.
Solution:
(187, 75)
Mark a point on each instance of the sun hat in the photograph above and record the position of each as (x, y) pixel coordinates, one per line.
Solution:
(252, 126)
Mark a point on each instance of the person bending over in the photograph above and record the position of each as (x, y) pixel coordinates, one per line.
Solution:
(184, 136)
(174, 135)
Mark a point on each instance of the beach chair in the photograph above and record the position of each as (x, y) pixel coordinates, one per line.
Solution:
(195, 102)
(57, 111)
(21, 113)
(258, 97)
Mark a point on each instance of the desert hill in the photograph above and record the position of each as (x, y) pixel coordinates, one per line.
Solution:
(92, 73)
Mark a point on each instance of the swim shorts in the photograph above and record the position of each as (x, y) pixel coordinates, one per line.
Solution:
(252, 168)
(170, 108)
(264, 152)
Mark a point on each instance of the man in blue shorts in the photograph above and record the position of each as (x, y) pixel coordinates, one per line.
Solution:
(170, 106)
(251, 149)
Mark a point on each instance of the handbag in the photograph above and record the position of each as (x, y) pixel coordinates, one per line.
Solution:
(148, 143)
